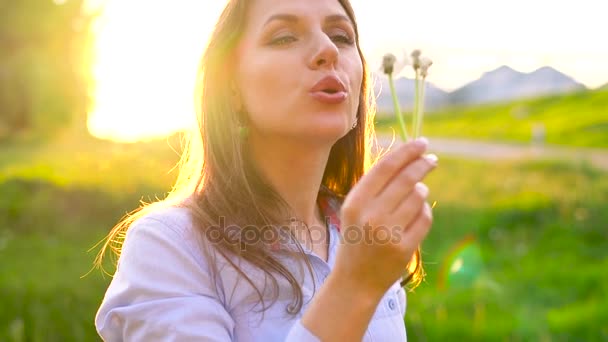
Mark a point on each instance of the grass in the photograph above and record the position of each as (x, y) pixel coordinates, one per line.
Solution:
(540, 230)
(532, 239)
(59, 200)
(578, 119)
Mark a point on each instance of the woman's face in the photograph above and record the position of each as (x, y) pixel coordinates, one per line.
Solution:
(298, 70)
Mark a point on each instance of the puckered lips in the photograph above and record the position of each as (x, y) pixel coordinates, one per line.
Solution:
(330, 90)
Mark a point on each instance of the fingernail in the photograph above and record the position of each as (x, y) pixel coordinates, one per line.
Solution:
(422, 187)
(421, 142)
(432, 158)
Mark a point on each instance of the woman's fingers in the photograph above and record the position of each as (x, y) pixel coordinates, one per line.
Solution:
(409, 209)
(397, 190)
(374, 181)
(390, 203)
(418, 229)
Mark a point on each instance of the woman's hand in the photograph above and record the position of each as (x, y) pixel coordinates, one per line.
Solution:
(384, 219)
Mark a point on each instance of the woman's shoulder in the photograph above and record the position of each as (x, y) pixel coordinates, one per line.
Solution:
(169, 218)
(164, 229)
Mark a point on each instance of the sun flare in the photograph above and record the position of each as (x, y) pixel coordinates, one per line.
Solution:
(146, 57)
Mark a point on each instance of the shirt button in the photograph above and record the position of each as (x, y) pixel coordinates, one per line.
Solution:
(392, 304)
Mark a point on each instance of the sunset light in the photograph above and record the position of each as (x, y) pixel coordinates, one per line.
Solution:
(145, 68)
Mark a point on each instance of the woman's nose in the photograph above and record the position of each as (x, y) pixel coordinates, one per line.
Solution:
(325, 52)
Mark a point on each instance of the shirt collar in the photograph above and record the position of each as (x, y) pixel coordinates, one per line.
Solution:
(330, 207)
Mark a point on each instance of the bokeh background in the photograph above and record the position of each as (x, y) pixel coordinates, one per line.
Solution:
(94, 93)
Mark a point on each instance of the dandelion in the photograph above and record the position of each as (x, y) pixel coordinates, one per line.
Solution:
(388, 63)
(391, 66)
(421, 66)
(425, 64)
(416, 59)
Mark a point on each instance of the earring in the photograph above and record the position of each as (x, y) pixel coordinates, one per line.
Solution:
(243, 132)
(354, 125)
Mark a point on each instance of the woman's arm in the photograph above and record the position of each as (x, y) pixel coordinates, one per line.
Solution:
(341, 310)
(389, 199)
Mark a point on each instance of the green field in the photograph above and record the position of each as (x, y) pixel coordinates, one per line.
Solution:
(58, 201)
(535, 267)
(578, 119)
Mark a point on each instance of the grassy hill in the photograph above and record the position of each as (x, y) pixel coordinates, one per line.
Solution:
(578, 119)
(534, 252)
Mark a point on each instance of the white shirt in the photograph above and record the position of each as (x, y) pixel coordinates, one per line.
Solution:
(163, 290)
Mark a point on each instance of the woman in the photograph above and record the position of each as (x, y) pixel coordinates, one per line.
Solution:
(273, 232)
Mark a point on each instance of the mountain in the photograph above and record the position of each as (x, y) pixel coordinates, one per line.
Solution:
(434, 96)
(504, 84)
(501, 84)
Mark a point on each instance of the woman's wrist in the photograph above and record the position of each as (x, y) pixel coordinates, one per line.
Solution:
(342, 309)
(357, 288)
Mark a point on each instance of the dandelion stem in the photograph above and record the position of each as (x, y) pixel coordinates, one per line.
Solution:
(416, 104)
(403, 132)
(420, 107)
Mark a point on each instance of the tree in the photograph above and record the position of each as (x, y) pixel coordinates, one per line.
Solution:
(44, 63)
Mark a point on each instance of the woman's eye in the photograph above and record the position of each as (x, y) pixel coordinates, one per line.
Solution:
(342, 39)
(283, 40)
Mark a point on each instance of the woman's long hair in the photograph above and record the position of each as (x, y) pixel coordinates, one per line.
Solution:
(218, 181)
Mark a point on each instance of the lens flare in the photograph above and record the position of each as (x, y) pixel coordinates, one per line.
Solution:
(462, 266)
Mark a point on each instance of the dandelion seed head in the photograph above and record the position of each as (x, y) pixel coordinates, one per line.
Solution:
(416, 59)
(388, 63)
(425, 64)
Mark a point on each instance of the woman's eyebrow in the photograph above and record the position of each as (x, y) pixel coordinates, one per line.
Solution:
(294, 19)
(337, 18)
(282, 17)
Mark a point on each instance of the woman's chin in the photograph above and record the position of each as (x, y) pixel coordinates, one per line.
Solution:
(326, 133)
(322, 132)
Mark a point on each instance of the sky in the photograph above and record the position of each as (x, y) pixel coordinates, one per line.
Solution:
(468, 37)
(147, 51)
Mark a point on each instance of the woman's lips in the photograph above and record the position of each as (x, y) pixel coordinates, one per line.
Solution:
(329, 98)
(330, 89)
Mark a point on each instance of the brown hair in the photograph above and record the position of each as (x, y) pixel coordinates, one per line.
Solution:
(218, 180)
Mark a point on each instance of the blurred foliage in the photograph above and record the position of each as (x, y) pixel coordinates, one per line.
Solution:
(59, 199)
(539, 228)
(542, 231)
(44, 67)
(576, 119)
